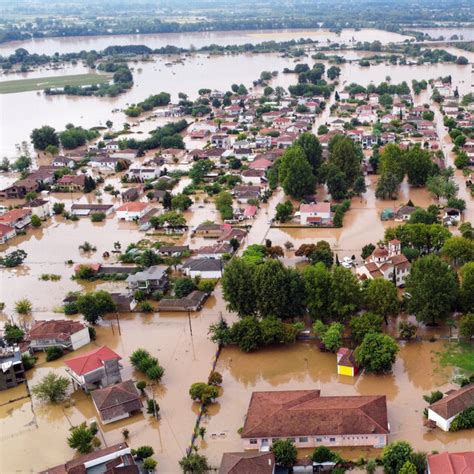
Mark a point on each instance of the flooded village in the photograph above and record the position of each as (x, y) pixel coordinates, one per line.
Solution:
(226, 221)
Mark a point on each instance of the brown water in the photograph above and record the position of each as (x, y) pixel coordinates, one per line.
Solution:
(303, 366)
(197, 39)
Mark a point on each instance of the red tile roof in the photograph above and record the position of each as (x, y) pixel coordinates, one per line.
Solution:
(92, 360)
(14, 215)
(5, 230)
(60, 329)
(133, 206)
(305, 412)
(455, 402)
(247, 463)
(451, 463)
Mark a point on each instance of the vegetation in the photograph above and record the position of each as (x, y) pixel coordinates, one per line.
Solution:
(12, 333)
(194, 463)
(377, 352)
(95, 305)
(81, 438)
(51, 388)
(23, 306)
(53, 353)
(145, 363)
(203, 392)
(285, 452)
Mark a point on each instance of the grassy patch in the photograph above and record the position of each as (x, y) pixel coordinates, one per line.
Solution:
(41, 83)
(459, 355)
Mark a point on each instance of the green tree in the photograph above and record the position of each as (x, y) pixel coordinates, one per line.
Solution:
(58, 208)
(433, 287)
(35, 221)
(183, 286)
(466, 326)
(336, 182)
(51, 388)
(181, 202)
(312, 149)
(323, 454)
(317, 280)
(295, 173)
(360, 186)
(408, 468)
(322, 253)
(458, 250)
(149, 464)
(194, 463)
(331, 336)
(95, 305)
(381, 298)
(43, 137)
(203, 392)
(144, 452)
(13, 334)
(363, 324)
(466, 292)
(247, 334)
(285, 452)
(377, 352)
(418, 166)
(200, 169)
(238, 288)
(345, 293)
(81, 438)
(395, 455)
(387, 186)
(367, 251)
(23, 306)
(345, 155)
(284, 211)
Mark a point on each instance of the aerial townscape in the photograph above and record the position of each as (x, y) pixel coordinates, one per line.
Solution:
(237, 237)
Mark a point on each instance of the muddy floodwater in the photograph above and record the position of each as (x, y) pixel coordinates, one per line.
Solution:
(303, 366)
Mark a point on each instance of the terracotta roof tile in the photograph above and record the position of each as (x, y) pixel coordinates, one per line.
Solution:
(247, 463)
(92, 360)
(454, 403)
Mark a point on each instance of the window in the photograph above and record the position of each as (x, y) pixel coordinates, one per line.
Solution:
(319, 440)
(293, 440)
(332, 440)
(303, 439)
(253, 441)
(264, 440)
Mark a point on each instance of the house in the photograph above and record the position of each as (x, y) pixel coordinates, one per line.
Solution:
(210, 230)
(172, 250)
(7, 232)
(403, 213)
(39, 207)
(142, 173)
(128, 154)
(220, 140)
(145, 222)
(149, 280)
(12, 372)
(66, 334)
(315, 214)
(451, 463)
(132, 211)
(452, 404)
(311, 420)
(261, 164)
(131, 194)
(116, 459)
(246, 193)
(105, 162)
(96, 369)
(203, 267)
(112, 145)
(16, 218)
(233, 233)
(247, 463)
(71, 183)
(215, 251)
(123, 303)
(346, 364)
(84, 210)
(192, 302)
(19, 189)
(63, 162)
(117, 401)
(253, 177)
(388, 263)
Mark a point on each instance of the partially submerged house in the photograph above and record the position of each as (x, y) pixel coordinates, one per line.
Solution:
(451, 463)
(116, 459)
(315, 214)
(149, 280)
(192, 302)
(66, 334)
(203, 267)
(98, 368)
(444, 411)
(247, 463)
(311, 420)
(12, 372)
(117, 401)
(346, 363)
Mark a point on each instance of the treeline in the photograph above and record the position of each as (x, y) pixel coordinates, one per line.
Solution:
(382, 88)
(167, 136)
(157, 100)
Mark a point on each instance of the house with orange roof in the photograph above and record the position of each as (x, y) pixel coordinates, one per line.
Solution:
(132, 211)
(451, 463)
(63, 333)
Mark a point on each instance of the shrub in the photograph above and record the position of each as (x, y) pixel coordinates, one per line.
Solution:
(53, 353)
(145, 307)
(183, 286)
(152, 407)
(51, 388)
(433, 397)
(97, 216)
(29, 361)
(215, 378)
(35, 221)
(58, 208)
(285, 452)
(464, 421)
(407, 330)
(13, 334)
(23, 306)
(203, 392)
(149, 464)
(323, 454)
(70, 308)
(145, 363)
(144, 452)
(81, 438)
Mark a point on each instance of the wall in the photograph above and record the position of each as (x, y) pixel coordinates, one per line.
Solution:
(80, 338)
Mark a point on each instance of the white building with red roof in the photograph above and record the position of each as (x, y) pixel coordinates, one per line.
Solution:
(132, 211)
(315, 214)
(68, 335)
(7, 232)
(98, 368)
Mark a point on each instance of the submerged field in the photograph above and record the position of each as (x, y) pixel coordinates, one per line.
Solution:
(41, 83)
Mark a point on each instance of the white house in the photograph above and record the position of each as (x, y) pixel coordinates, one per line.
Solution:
(319, 213)
(104, 162)
(143, 173)
(203, 267)
(112, 145)
(69, 335)
(444, 411)
(220, 140)
(40, 208)
(132, 211)
(6, 233)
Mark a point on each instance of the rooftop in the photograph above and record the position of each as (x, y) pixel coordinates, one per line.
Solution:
(55, 329)
(455, 402)
(92, 360)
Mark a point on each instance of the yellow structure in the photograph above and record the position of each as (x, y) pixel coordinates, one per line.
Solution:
(346, 364)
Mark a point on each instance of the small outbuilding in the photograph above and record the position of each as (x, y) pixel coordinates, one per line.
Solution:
(346, 364)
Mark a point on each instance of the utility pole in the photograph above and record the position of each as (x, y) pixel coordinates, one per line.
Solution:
(189, 320)
(118, 323)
